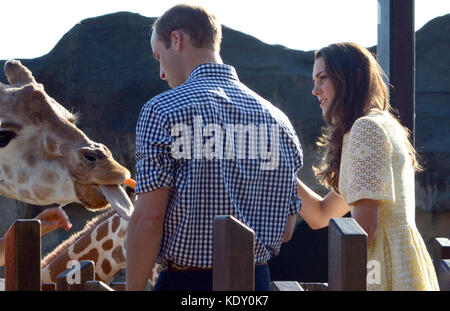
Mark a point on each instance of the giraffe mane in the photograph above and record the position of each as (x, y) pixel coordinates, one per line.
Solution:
(90, 225)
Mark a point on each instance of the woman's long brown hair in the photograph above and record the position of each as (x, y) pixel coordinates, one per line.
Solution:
(359, 85)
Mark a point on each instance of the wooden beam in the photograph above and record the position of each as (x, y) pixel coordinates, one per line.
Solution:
(118, 286)
(48, 287)
(233, 255)
(97, 286)
(314, 287)
(73, 279)
(347, 255)
(443, 274)
(441, 249)
(23, 256)
(285, 286)
(396, 55)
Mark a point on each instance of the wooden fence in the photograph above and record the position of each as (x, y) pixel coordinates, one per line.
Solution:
(233, 260)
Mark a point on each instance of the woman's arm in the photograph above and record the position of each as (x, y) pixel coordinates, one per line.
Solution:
(366, 214)
(318, 211)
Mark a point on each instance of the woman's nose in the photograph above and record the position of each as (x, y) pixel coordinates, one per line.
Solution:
(315, 90)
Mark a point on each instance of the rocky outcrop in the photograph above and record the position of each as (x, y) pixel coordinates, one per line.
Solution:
(103, 69)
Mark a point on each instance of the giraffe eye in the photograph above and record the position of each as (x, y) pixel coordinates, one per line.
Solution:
(5, 137)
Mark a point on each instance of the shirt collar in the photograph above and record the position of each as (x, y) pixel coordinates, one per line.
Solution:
(213, 69)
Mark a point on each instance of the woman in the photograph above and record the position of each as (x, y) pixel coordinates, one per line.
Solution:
(51, 219)
(368, 164)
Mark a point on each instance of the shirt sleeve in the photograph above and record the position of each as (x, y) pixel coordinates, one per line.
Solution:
(155, 166)
(296, 202)
(370, 165)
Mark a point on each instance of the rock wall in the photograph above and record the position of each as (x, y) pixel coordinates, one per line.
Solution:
(103, 69)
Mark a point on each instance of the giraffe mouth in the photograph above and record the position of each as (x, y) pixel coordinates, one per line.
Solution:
(119, 200)
(90, 196)
(97, 197)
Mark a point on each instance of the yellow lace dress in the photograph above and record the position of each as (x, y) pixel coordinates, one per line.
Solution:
(375, 164)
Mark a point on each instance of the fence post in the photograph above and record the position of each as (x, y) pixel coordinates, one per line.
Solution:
(347, 255)
(285, 286)
(441, 261)
(23, 256)
(396, 55)
(118, 286)
(74, 278)
(97, 286)
(441, 250)
(233, 255)
(443, 274)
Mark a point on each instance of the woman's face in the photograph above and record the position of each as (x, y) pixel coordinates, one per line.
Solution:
(323, 86)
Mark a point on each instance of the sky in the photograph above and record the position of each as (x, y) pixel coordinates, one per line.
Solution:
(32, 28)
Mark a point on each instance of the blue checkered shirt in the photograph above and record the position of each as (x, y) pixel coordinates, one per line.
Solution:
(223, 150)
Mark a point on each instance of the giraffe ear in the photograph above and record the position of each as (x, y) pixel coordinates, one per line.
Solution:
(18, 73)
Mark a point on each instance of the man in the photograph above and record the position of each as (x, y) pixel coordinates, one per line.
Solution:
(194, 161)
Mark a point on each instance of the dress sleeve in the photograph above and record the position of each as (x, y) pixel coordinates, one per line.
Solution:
(370, 163)
(155, 166)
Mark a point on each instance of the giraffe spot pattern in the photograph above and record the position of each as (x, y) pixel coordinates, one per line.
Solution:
(24, 193)
(91, 255)
(81, 244)
(5, 185)
(102, 232)
(117, 255)
(115, 223)
(107, 245)
(106, 266)
(41, 193)
(52, 147)
(22, 178)
(49, 176)
(7, 171)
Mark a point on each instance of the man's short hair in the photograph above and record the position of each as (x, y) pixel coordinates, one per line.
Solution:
(200, 24)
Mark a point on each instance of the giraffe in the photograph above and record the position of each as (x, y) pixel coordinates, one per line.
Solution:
(44, 157)
(102, 241)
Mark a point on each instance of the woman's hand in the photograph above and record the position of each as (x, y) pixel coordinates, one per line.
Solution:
(52, 219)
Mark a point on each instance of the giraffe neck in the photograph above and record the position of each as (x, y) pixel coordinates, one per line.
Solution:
(100, 241)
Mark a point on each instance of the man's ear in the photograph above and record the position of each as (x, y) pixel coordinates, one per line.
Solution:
(177, 38)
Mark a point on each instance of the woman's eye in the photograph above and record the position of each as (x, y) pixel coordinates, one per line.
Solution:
(6, 137)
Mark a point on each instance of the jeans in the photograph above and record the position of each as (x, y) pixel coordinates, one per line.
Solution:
(202, 280)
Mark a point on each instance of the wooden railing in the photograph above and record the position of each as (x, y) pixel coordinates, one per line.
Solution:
(233, 260)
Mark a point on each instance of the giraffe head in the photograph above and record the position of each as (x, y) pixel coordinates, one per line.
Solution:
(44, 157)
